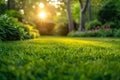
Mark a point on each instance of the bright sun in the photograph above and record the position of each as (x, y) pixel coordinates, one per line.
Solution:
(42, 15)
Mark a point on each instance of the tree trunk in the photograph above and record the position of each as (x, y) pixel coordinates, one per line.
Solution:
(70, 24)
(82, 17)
(11, 4)
(82, 21)
(89, 11)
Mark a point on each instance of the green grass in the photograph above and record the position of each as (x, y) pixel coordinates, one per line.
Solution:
(57, 58)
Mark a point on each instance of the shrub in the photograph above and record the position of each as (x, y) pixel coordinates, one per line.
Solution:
(31, 31)
(73, 34)
(108, 25)
(11, 29)
(95, 33)
(93, 24)
(61, 29)
(3, 8)
(15, 14)
(105, 33)
(110, 13)
(117, 33)
(83, 34)
(107, 11)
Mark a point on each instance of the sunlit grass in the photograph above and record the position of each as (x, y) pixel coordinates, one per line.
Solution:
(56, 58)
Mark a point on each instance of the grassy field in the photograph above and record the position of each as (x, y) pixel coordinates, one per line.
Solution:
(57, 58)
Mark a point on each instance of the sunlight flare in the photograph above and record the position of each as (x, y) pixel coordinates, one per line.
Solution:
(41, 5)
(42, 15)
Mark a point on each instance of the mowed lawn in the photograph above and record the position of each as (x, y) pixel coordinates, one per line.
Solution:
(59, 58)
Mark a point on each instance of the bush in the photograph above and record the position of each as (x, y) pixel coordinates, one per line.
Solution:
(110, 24)
(3, 8)
(117, 33)
(93, 24)
(107, 11)
(73, 34)
(61, 29)
(105, 33)
(31, 31)
(83, 34)
(110, 13)
(15, 14)
(11, 29)
(95, 33)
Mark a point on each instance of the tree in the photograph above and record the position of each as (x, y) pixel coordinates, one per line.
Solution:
(89, 11)
(70, 19)
(82, 17)
(11, 4)
(71, 25)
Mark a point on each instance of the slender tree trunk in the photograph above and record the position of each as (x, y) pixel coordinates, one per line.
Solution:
(70, 19)
(82, 21)
(82, 14)
(89, 11)
(11, 4)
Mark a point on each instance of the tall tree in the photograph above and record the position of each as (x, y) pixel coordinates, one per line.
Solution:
(89, 11)
(82, 11)
(71, 25)
(70, 19)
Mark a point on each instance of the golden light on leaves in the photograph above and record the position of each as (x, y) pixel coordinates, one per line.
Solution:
(58, 13)
(55, 3)
(41, 5)
(42, 15)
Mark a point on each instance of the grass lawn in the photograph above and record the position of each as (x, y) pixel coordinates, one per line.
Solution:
(59, 58)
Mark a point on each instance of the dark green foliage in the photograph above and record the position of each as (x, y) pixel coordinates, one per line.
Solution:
(45, 28)
(15, 14)
(3, 8)
(60, 29)
(117, 32)
(93, 24)
(104, 33)
(108, 12)
(11, 29)
(50, 58)
(111, 24)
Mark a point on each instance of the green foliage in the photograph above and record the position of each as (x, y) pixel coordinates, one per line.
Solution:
(117, 32)
(3, 8)
(50, 58)
(93, 24)
(82, 34)
(111, 24)
(94, 33)
(31, 31)
(15, 14)
(11, 29)
(75, 8)
(105, 33)
(45, 28)
(61, 29)
(108, 12)
(73, 34)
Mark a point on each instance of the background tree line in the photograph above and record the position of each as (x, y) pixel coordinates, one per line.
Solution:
(69, 17)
